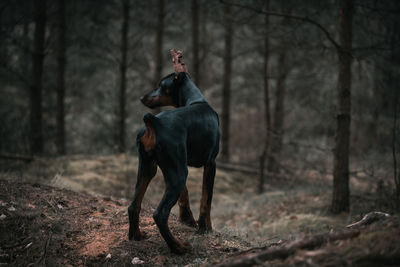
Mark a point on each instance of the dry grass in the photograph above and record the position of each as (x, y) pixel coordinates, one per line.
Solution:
(284, 211)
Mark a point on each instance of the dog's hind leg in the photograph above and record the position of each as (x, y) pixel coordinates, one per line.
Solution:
(146, 171)
(204, 221)
(175, 186)
(174, 168)
(185, 214)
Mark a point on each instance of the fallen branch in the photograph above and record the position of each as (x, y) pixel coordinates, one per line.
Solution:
(236, 167)
(16, 157)
(369, 218)
(289, 249)
(246, 169)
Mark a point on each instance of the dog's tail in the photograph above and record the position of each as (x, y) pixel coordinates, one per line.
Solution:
(149, 138)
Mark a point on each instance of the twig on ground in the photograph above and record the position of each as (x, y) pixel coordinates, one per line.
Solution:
(45, 248)
(369, 218)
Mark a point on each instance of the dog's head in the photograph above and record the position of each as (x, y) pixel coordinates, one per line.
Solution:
(166, 94)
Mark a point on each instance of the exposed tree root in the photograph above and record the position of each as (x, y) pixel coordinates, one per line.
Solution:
(289, 249)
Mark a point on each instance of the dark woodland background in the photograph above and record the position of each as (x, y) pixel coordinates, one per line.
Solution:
(286, 77)
(308, 98)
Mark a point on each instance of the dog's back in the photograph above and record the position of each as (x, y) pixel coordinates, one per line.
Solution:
(196, 126)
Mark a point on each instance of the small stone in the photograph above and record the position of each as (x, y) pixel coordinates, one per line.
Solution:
(108, 256)
(11, 208)
(3, 216)
(136, 260)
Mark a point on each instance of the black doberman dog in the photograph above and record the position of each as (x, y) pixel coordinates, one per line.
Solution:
(174, 139)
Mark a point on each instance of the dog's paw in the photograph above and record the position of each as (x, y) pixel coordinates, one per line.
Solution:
(204, 226)
(203, 231)
(191, 222)
(181, 248)
(140, 235)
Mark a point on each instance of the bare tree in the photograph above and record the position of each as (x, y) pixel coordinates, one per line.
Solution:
(159, 41)
(61, 79)
(195, 42)
(393, 81)
(226, 89)
(341, 192)
(279, 110)
(396, 175)
(39, 14)
(123, 68)
(267, 115)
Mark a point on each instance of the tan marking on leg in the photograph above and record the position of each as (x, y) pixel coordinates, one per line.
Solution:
(185, 214)
(204, 221)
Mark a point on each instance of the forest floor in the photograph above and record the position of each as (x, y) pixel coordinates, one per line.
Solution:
(73, 211)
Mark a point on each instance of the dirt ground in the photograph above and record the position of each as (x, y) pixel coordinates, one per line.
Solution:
(73, 211)
(58, 227)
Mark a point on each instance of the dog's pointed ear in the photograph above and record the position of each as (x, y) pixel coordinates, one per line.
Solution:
(177, 61)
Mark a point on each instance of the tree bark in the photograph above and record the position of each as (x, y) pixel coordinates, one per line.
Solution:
(267, 115)
(39, 14)
(393, 79)
(159, 41)
(279, 109)
(340, 199)
(123, 68)
(158, 46)
(61, 79)
(195, 42)
(226, 89)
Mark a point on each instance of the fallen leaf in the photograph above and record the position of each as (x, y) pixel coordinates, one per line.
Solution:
(2, 217)
(30, 244)
(11, 208)
(108, 256)
(60, 206)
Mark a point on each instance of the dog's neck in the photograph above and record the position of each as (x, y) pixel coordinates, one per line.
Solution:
(189, 93)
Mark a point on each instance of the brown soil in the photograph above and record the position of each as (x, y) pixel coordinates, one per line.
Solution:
(58, 227)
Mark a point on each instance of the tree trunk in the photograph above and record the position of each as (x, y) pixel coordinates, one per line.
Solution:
(39, 15)
(61, 79)
(279, 111)
(204, 46)
(393, 79)
(226, 90)
(159, 41)
(195, 42)
(158, 46)
(122, 67)
(396, 174)
(267, 115)
(340, 199)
